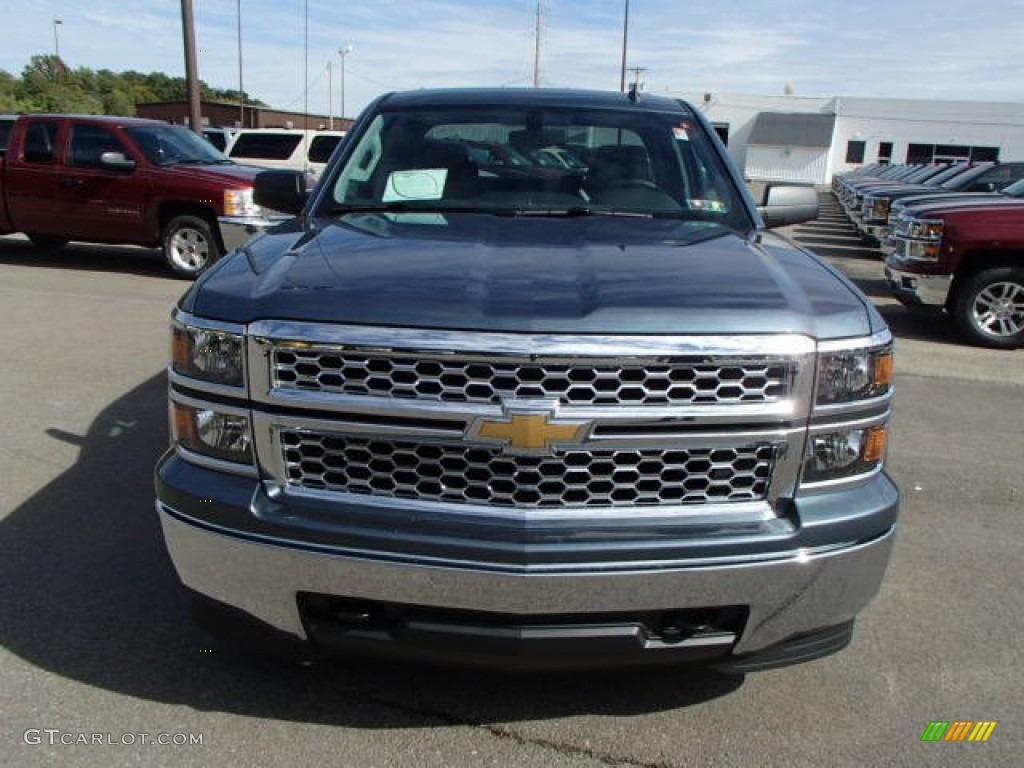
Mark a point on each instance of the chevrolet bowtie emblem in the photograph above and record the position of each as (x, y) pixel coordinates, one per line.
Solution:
(529, 431)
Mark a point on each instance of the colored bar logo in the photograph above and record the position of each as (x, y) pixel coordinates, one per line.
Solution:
(959, 730)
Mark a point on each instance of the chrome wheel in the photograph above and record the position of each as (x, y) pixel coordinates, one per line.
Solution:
(999, 309)
(989, 307)
(190, 246)
(189, 249)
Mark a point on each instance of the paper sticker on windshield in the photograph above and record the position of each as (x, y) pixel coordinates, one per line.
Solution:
(419, 184)
(426, 219)
(681, 131)
(712, 206)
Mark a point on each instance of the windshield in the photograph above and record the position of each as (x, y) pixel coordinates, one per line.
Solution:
(1015, 190)
(529, 161)
(967, 176)
(173, 144)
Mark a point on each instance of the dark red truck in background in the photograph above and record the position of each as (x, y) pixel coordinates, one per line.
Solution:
(966, 256)
(121, 180)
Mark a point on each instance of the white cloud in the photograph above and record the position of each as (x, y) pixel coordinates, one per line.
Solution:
(823, 47)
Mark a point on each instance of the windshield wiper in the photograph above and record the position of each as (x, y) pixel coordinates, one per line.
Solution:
(574, 211)
(399, 206)
(562, 212)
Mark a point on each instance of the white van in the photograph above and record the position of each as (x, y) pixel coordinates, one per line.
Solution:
(219, 137)
(292, 148)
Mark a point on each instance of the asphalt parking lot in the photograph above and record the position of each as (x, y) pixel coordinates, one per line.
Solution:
(97, 640)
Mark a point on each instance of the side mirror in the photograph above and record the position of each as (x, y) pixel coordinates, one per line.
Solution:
(785, 204)
(283, 191)
(116, 161)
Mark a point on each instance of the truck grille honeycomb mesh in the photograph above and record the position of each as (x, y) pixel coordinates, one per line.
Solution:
(470, 474)
(667, 382)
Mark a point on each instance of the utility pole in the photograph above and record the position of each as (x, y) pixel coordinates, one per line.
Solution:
(241, 90)
(636, 76)
(305, 74)
(536, 47)
(191, 78)
(625, 39)
(330, 95)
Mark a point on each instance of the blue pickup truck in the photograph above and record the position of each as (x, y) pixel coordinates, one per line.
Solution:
(469, 406)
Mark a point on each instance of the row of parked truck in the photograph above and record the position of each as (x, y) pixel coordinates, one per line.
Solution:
(952, 237)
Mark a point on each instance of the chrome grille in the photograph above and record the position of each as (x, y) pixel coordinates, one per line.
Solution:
(467, 379)
(468, 474)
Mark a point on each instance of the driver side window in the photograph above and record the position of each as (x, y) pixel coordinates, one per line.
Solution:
(89, 142)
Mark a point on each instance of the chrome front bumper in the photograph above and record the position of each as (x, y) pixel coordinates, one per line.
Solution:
(915, 288)
(787, 595)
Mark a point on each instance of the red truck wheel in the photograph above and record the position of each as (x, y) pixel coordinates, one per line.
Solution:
(190, 247)
(989, 309)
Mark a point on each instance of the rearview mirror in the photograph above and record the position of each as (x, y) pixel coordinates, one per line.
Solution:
(785, 204)
(283, 191)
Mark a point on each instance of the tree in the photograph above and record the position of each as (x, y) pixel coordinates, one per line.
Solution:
(48, 85)
(8, 85)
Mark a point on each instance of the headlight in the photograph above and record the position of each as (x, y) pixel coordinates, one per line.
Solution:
(856, 374)
(925, 229)
(239, 202)
(876, 208)
(207, 354)
(920, 250)
(214, 433)
(844, 453)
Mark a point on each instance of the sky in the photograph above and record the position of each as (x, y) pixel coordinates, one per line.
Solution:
(930, 49)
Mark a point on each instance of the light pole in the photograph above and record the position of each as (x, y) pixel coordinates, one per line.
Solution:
(330, 94)
(625, 39)
(342, 53)
(56, 39)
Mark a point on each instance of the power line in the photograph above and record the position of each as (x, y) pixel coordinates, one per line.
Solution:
(303, 94)
(386, 86)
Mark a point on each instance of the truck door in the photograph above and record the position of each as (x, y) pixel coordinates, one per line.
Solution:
(31, 178)
(98, 202)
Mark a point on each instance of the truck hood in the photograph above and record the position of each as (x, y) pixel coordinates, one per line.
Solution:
(973, 200)
(610, 275)
(215, 173)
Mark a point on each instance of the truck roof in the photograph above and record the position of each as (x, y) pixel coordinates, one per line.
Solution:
(540, 97)
(108, 119)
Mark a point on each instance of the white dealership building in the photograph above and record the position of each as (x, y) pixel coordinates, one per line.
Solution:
(808, 139)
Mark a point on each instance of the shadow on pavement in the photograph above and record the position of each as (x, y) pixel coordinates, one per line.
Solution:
(124, 259)
(920, 324)
(87, 592)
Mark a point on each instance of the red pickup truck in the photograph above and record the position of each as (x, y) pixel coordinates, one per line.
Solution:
(965, 256)
(121, 180)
